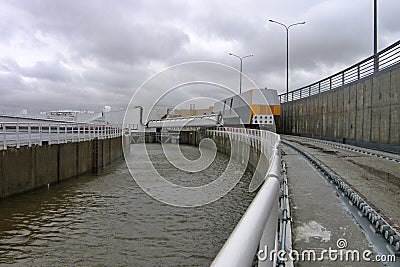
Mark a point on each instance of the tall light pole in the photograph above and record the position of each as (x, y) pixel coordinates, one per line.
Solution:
(376, 64)
(287, 50)
(241, 68)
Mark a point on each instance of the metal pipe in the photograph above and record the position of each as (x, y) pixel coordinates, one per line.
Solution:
(58, 133)
(241, 246)
(17, 134)
(40, 134)
(29, 135)
(284, 212)
(65, 133)
(376, 63)
(141, 115)
(4, 136)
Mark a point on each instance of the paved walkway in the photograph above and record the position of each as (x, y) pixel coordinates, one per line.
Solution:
(320, 218)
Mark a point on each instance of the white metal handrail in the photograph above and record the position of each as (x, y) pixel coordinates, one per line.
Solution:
(17, 134)
(258, 226)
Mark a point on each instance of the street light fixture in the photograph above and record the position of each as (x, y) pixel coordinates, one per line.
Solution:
(287, 50)
(241, 68)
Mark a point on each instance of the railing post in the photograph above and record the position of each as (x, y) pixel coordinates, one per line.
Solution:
(342, 78)
(358, 72)
(49, 134)
(29, 135)
(84, 134)
(40, 134)
(58, 133)
(17, 133)
(330, 83)
(65, 130)
(79, 133)
(319, 87)
(309, 90)
(5, 136)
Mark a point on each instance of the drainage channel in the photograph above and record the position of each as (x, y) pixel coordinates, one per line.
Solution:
(384, 237)
(285, 225)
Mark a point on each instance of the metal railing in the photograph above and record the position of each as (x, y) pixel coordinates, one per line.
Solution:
(257, 229)
(388, 57)
(17, 134)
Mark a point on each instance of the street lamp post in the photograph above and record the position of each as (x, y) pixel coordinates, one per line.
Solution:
(241, 68)
(287, 51)
(376, 63)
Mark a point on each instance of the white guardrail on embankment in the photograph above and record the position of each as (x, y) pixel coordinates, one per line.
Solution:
(257, 229)
(17, 134)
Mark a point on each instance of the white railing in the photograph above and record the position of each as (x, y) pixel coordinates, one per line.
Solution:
(191, 121)
(257, 229)
(17, 134)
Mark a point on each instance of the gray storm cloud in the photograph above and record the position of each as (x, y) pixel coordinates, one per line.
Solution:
(87, 54)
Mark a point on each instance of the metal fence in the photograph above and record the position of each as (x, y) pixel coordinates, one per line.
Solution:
(388, 57)
(257, 228)
(17, 134)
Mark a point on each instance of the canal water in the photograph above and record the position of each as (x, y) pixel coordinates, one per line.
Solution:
(107, 220)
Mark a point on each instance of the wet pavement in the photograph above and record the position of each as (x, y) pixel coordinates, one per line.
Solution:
(376, 179)
(321, 221)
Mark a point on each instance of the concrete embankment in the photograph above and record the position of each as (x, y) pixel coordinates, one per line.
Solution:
(28, 168)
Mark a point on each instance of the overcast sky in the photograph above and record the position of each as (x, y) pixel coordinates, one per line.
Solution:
(86, 54)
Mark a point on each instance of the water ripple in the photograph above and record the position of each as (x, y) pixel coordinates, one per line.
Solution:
(106, 219)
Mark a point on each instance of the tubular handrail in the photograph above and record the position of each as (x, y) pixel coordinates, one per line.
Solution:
(387, 57)
(17, 134)
(258, 226)
(241, 246)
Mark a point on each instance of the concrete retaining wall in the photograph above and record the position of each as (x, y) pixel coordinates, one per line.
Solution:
(364, 112)
(33, 167)
(241, 150)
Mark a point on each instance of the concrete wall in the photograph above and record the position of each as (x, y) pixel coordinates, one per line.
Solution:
(240, 150)
(33, 167)
(366, 112)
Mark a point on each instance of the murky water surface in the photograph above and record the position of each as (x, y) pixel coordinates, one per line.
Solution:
(107, 220)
